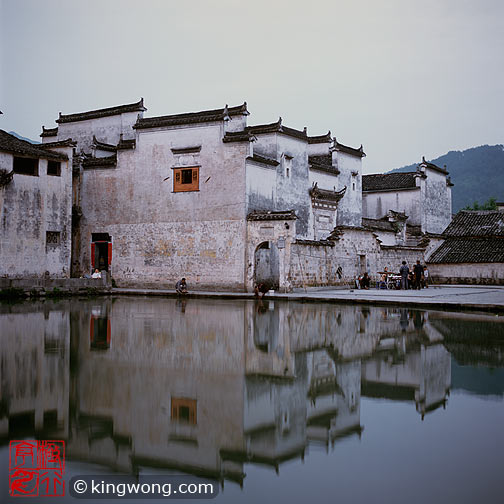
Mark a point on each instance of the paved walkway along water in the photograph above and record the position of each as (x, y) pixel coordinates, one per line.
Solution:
(459, 297)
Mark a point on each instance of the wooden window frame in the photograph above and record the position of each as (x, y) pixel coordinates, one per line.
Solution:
(53, 240)
(178, 186)
(183, 402)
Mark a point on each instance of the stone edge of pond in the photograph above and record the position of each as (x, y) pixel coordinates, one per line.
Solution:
(306, 298)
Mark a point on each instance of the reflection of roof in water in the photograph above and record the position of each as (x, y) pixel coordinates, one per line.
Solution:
(327, 386)
(243, 456)
(387, 391)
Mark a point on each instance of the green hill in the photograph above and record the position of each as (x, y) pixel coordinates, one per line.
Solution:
(478, 174)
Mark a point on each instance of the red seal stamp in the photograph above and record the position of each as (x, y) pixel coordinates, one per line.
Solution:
(36, 468)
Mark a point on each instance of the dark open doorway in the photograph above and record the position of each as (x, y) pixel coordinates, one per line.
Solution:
(101, 251)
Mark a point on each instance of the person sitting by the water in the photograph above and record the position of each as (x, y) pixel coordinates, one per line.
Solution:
(96, 274)
(365, 281)
(181, 286)
(383, 279)
(260, 289)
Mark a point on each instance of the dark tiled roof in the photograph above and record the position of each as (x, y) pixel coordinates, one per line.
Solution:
(476, 223)
(126, 144)
(191, 117)
(316, 243)
(263, 160)
(100, 162)
(378, 224)
(413, 230)
(469, 250)
(238, 136)
(326, 195)
(105, 112)
(432, 166)
(389, 181)
(349, 150)
(277, 127)
(49, 132)
(104, 146)
(323, 163)
(60, 143)
(260, 215)
(320, 138)
(13, 145)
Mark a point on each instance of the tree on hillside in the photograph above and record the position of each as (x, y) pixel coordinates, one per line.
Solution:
(490, 204)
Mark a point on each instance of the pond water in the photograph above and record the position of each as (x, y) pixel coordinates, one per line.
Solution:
(274, 401)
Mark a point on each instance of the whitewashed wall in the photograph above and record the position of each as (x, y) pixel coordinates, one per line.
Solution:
(30, 206)
(158, 236)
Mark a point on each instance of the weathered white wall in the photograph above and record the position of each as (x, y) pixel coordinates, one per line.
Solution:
(481, 273)
(261, 186)
(377, 204)
(158, 236)
(429, 206)
(30, 206)
(350, 206)
(106, 129)
(436, 202)
(355, 251)
(291, 192)
(323, 180)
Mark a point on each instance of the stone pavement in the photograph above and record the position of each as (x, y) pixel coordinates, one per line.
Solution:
(449, 297)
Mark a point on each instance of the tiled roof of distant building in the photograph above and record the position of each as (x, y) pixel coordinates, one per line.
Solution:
(105, 112)
(378, 224)
(324, 194)
(469, 250)
(263, 160)
(277, 127)
(103, 146)
(259, 215)
(323, 163)
(476, 223)
(100, 162)
(49, 132)
(349, 150)
(191, 117)
(389, 181)
(60, 143)
(472, 237)
(432, 166)
(13, 145)
(320, 138)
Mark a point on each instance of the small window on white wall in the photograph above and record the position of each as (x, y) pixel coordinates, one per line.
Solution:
(287, 165)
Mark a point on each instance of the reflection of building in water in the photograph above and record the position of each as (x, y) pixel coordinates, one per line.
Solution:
(34, 370)
(422, 375)
(100, 330)
(210, 388)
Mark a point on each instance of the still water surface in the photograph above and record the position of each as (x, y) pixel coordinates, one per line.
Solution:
(278, 402)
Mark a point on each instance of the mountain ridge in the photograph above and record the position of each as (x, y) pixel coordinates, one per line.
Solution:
(478, 174)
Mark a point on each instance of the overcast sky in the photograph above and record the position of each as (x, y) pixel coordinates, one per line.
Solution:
(405, 78)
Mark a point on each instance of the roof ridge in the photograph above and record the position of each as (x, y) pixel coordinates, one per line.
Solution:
(103, 112)
(192, 117)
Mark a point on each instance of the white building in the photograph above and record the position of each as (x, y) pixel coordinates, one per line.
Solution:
(227, 205)
(35, 208)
